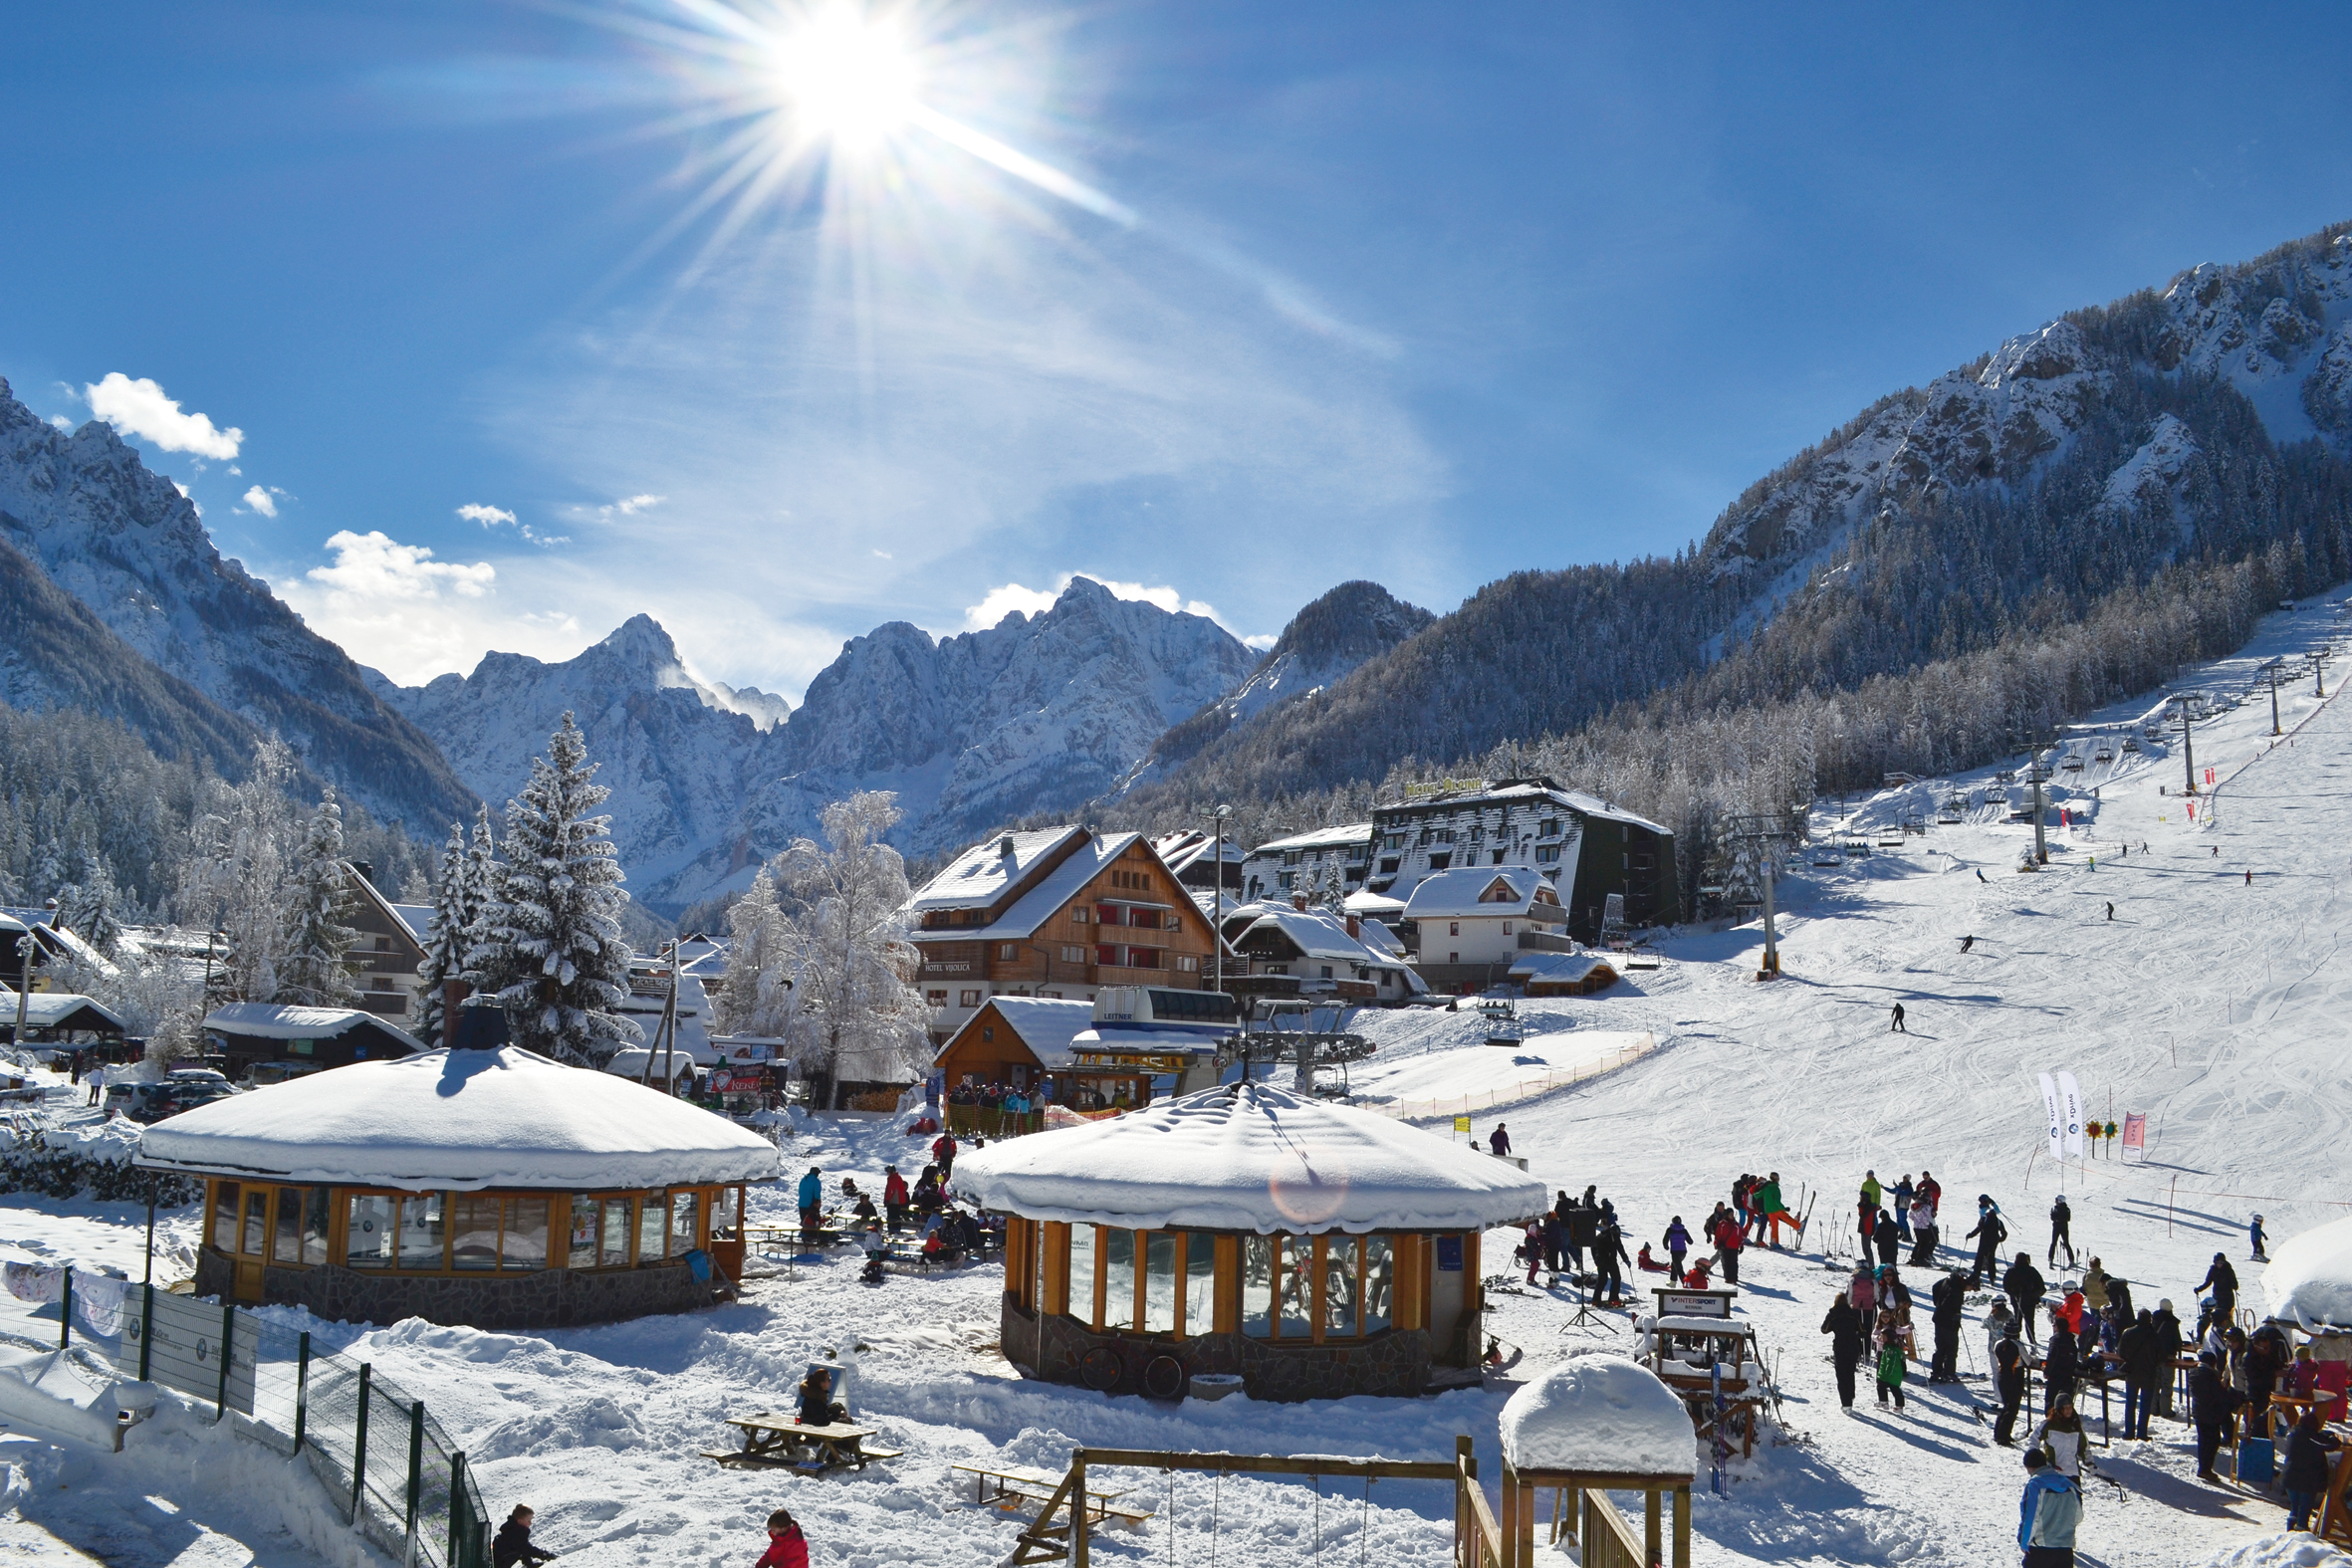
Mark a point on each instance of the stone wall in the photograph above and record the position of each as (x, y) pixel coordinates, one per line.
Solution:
(1396, 1363)
(546, 1298)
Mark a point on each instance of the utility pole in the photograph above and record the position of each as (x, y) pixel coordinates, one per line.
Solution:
(1765, 834)
(1223, 814)
(2319, 672)
(2037, 774)
(2187, 747)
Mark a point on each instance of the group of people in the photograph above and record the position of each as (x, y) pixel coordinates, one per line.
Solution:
(511, 1547)
(1886, 1218)
(1570, 1228)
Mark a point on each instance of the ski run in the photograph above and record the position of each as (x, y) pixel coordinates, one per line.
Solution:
(2212, 1003)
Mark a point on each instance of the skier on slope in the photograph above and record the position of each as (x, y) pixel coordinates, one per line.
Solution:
(1850, 1339)
(1967, 944)
(1949, 1296)
(2062, 1228)
(2024, 1286)
(1896, 1025)
(2255, 1234)
(2110, 909)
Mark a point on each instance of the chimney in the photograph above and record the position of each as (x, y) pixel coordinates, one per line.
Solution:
(1355, 928)
(1004, 846)
(1298, 902)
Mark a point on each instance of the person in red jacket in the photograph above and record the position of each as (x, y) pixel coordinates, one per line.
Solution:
(943, 1153)
(894, 1198)
(787, 1546)
(1728, 1240)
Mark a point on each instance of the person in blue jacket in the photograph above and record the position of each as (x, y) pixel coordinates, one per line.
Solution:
(811, 1202)
(2048, 1513)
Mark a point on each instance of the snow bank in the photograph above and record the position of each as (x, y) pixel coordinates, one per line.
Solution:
(2309, 1281)
(1599, 1412)
(463, 1120)
(42, 1391)
(1249, 1157)
(2297, 1550)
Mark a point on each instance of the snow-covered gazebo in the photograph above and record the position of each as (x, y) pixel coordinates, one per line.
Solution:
(490, 1188)
(1598, 1423)
(1311, 1248)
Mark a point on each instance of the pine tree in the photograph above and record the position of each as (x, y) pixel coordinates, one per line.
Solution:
(318, 969)
(454, 911)
(550, 945)
(234, 880)
(86, 906)
(859, 1012)
(757, 997)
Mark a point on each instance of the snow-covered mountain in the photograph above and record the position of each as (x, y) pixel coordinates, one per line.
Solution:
(680, 754)
(128, 544)
(1035, 712)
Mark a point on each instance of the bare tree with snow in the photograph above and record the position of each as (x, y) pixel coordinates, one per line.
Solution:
(237, 872)
(859, 1011)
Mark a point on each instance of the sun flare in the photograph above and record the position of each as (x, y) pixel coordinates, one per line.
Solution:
(847, 78)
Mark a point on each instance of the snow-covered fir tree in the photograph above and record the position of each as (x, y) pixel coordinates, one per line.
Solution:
(452, 934)
(551, 947)
(757, 997)
(237, 873)
(859, 1014)
(317, 972)
(86, 906)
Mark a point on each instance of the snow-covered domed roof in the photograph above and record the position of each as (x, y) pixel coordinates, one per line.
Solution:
(1599, 1414)
(1249, 1157)
(2309, 1280)
(461, 1120)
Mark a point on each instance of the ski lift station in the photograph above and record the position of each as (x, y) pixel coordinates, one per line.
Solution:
(495, 1189)
(1244, 1235)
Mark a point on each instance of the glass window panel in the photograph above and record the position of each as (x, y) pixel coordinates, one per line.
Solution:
(425, 1232)
(524, 1242)
(1296, 1302)
(257, 1221)
(1339, 1270)
(1379, 1283)
(682, 1229)
(1256, 1285)
(586, 1222)
(654, 1214)
(368, 1241)
(1200, 1283)
(314, 1224)
(474, 1225)
(1119, 1279)
(1159, 1283)
(224, 1217)
(1082, 1272)
(285, 1245)
(724, 1217)
(615, 1252)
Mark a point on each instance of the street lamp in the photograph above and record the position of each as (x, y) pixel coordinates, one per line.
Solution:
(1222, 816)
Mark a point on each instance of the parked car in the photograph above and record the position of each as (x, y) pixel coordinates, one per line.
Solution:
(153, 1102)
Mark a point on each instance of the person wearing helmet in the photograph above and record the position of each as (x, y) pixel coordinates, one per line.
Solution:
(2255, 1234)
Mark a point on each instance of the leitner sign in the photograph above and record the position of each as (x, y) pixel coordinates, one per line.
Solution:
(1134, 1061)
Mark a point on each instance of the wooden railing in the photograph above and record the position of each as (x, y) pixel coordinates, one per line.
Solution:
(1479, 1541)
(1609, 1540)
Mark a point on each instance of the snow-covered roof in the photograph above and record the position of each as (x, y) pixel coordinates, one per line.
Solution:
(1516, 790)
(2309, 1280)
(1318, 936)
(1155, 1040)
(1046, 1025)
(272, 1021)
(1558, 969)
(1353, 833)
(630, 1062)
(983, 873)
(1249, 1157)
(1181, 850)
(1372, 905)
(461, 1120)
(1061, 885)
(1462, 891)
(418, 918)
(46, 1009)
(1598, 1413)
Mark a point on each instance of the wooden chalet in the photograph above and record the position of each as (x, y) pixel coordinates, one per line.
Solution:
(1057, 913)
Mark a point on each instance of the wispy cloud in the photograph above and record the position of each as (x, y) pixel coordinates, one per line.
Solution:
(263, 501)
(140, 408)
(495, 516)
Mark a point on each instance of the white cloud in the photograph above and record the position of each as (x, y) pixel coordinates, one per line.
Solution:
(62, 422)
(377, 566)
(1262, 643)
(259, 500)
(139, 408)
(630, 506)
(1002, 600)
(488, 516)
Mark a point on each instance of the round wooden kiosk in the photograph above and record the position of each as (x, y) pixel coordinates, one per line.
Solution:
(488, 1188)
(1310, 1250)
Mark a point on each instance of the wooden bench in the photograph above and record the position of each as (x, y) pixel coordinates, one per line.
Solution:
(773, 1441)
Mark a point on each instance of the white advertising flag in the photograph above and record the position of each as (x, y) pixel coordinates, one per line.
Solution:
(2070, 1105)
(2053, 1116)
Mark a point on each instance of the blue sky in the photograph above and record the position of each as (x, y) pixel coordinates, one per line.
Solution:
(1289, 295)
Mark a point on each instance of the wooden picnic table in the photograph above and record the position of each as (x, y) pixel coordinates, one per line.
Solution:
(1011, 1485)
(780, 1441)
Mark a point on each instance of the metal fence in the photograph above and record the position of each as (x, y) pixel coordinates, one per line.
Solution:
(383, 1460)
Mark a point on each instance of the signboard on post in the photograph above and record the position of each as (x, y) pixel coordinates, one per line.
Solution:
(2134, 1132)
(1462, 1125)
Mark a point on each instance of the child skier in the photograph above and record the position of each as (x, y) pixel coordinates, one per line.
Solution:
(2255, 1234)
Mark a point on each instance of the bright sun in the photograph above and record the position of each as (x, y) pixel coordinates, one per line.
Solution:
(849, 78)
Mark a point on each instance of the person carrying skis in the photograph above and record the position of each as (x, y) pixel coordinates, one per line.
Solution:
(2222, 1280)
(2061, 1231)
(1949, 1296)
(2254, 1233)
(894, 1198)
(1849, 1339)
(1678, 1242)
(2049, 1514)
(2025, 1285)
(1990, 1233)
